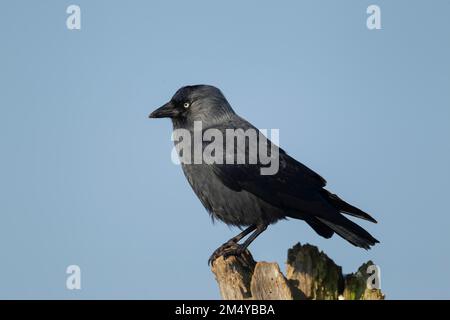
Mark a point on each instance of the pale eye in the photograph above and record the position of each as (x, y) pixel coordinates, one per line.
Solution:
(186, 105)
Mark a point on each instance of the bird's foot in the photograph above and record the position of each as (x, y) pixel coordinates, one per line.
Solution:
(229, 248)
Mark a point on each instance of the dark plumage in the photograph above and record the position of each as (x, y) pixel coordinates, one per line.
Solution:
(239, 195)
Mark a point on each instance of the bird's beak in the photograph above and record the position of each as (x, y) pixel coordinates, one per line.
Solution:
(166, 111)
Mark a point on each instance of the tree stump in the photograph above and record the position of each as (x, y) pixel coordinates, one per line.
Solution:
(310, 275)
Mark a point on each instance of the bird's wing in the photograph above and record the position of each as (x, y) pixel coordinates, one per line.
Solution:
(297, 190)
(294, 186)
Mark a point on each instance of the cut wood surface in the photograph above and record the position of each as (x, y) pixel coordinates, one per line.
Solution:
(310, 274)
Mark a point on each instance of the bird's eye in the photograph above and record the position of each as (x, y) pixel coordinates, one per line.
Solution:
(186, 105)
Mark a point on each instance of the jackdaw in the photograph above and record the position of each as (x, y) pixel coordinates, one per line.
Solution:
(240, 195)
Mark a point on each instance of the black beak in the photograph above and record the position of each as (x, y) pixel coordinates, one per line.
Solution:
(166, 111)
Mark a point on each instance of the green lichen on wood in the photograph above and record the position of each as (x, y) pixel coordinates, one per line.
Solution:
(317, 275)
(310, 274)
(356, 285)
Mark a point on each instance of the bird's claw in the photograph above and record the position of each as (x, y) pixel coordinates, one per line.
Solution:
(227, 249)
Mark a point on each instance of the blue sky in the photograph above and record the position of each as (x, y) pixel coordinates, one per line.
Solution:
(87, 179)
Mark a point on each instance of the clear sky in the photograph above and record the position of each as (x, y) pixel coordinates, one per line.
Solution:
(87, 179)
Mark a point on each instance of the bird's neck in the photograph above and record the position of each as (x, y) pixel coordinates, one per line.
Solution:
(209, 121)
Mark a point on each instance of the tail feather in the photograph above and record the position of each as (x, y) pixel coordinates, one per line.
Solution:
(319, 227)
(347, 208)
(350, 231)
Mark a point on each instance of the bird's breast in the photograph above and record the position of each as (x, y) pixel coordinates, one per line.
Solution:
(239, 208)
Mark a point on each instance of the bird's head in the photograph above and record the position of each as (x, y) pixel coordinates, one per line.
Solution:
(195, 103)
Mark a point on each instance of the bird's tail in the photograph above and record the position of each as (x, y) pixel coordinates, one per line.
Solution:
(345, 207)
(350, 231)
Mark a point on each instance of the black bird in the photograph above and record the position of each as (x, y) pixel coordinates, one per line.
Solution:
(239, 195)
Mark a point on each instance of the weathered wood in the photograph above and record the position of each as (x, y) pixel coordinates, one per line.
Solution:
(234, 276)
(315, 275)
(310, 274)
(356, 285)
(268, 283)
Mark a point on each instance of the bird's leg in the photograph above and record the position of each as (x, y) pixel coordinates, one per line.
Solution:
(233, 242)
(259, 229)
(232, 248)
(241, 235)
